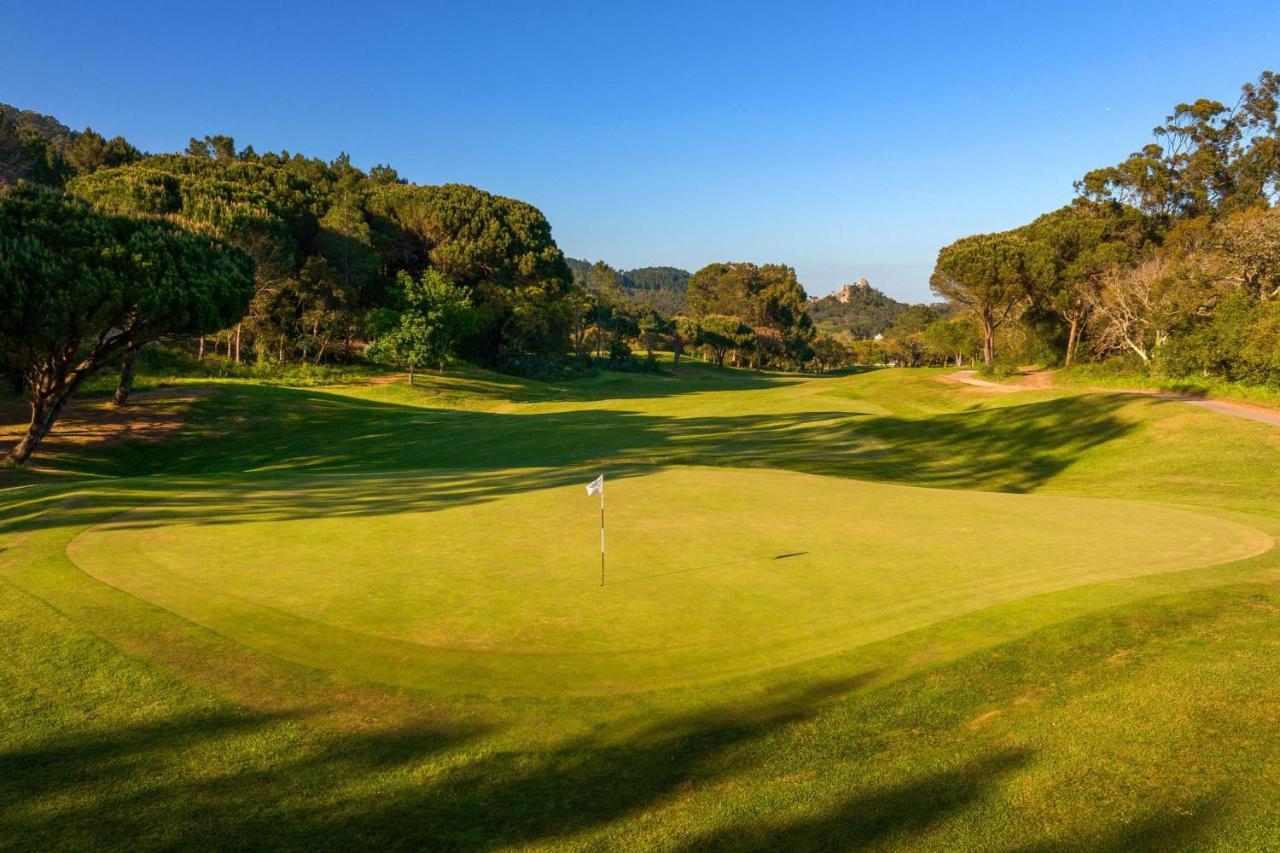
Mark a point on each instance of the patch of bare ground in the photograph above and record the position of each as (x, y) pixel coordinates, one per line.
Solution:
(386, 379)
(149, 416)
(1041, 379)
(1024, 380)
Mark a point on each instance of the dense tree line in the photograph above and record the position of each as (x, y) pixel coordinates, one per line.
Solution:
(661, 289)
(739, 314)
(327, 259)
(79, 287)
(1169, 259)
(330, 241)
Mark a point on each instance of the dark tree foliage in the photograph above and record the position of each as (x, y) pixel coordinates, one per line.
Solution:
(499, 248)
(40, 149)
(768, 299)
(661, 289)
(1086, 239)
(78, 286)
(26, 155)
(329, 241)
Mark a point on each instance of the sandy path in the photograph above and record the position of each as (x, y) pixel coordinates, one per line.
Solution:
(1039, 379)
(1044, 379)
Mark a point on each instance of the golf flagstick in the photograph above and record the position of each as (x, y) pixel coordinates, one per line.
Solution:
(595, 487)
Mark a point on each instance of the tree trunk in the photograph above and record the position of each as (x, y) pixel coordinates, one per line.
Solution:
(45, 408)
(988, 342)
(676, 346)
(127, 369)
(410, 373)
(200, 353)
(1072, 337)
(238, 325)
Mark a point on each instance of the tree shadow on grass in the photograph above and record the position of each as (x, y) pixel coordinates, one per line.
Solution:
(1165, 827)
(693, 377)
(168, 784)
(893, 814)
(1013, 449)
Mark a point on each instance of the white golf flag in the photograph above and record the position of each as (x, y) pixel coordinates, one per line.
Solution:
(596, 486)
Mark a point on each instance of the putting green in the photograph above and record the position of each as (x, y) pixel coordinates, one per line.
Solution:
(470, 584)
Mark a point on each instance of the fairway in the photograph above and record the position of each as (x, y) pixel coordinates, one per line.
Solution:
(896, 612)
(489, 585)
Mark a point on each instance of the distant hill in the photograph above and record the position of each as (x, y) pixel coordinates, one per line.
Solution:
(859, 309)
(38, 148)
(662, 288)
(47, 127)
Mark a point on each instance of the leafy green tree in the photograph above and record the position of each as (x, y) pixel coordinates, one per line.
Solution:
(867, 351)
(1087, 239)
(438, 314)
(685, 332)
(723, 334)
(285, 210)
(912, 319)
(77, 287)
(830, 353)
(25, 155)
(1207, 158)
(651, 325)
(89, 151)
(499, 248)
(950, 339)
(767, 298)
(994, 276)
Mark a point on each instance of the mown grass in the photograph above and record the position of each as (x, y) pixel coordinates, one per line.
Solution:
(1100, 376)
(1133, 709)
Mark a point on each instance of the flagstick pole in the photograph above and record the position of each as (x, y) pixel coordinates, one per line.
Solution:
(602, 534)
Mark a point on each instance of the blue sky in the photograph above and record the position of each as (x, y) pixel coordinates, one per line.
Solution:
(843, 140)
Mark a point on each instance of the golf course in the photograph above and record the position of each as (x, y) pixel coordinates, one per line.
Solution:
(877, 608)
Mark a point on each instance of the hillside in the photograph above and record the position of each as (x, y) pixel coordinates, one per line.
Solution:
(46, 126)
(661, 288)
(858, 309)
(38, 148)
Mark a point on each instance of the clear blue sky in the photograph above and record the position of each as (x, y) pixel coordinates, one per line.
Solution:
(843, 141)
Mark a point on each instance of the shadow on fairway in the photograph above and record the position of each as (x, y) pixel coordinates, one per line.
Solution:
(1173, 826)
(692, 378)
(168, 784)
(885, 815)
(164, 784)
(1012, 448)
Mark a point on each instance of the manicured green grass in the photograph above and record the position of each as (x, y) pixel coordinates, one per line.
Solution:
(430, 582)
(370, 615)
